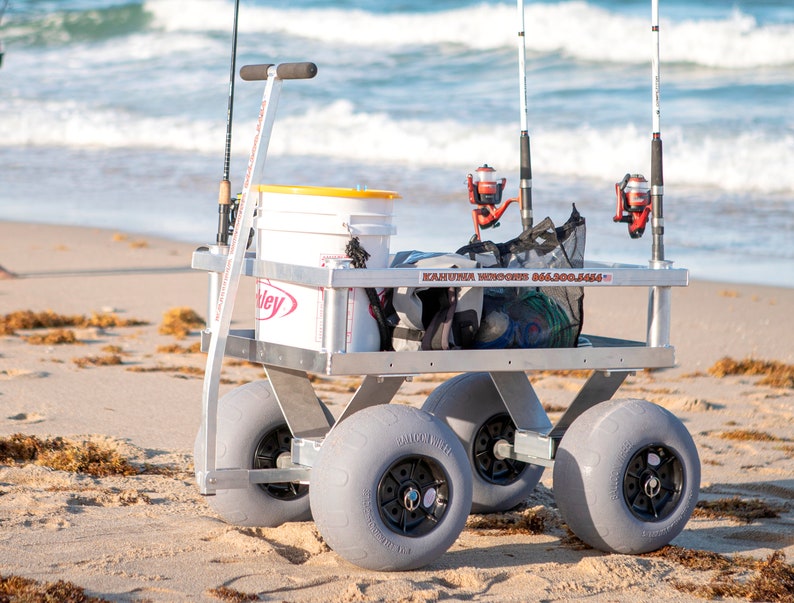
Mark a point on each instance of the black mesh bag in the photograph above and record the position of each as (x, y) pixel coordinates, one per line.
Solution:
(533, 317)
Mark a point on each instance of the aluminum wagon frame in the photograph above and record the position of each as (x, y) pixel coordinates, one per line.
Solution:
(390, 486)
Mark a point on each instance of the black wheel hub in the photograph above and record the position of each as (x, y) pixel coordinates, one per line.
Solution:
(274, 444)
(413, 495)
(492, 469)
(653, 483)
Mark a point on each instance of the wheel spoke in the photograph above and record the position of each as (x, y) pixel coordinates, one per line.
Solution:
(496, 471)
(272, 445)
(403, 491)
(670, 486)
(651, 483)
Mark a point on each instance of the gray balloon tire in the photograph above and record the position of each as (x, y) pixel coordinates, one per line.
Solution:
(465, 403)
(245, 416)
(592, 460)
(351, 464)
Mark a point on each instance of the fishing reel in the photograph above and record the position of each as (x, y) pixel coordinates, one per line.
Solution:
(633, 203)
(485, 192)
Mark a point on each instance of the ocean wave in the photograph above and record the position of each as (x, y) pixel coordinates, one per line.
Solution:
(574, 29)
(749, 161)
(62, 27)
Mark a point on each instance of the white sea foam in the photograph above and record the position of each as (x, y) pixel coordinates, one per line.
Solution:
(574, 29)
(742, 162)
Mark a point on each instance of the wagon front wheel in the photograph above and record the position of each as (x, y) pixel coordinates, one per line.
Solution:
(626, 476)
(391, 488)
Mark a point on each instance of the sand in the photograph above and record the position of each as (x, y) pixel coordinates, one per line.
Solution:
(152, 537)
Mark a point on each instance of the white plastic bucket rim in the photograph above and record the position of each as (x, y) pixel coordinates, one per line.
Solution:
(343, 225)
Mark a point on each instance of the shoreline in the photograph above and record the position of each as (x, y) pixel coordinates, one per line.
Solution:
(151, 536)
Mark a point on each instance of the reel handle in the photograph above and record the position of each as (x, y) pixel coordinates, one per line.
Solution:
(285, 71)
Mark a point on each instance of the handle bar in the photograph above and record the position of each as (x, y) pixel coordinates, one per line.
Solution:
(285, 71)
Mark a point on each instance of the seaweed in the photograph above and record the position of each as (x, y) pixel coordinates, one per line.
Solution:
(107, 360)
(693, 559)
(773, 373)
(224, 593)
(771, 579)
(175, 348)
(54, 337)
(88, 457)
(735, 508)
(28, 320)
(179, 322)
(750, 435)
(16, 588)
(528, 521)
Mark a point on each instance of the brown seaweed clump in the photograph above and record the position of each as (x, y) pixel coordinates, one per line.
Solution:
(527, 521)
(175, 348)
(750, 435)
(106, 360)
(179, 322)
(88, 457)
(16, 588)
(771, 579)
(54, 337)
(224, 593)
(735, 508)
(27, 320)
(702, 561)
(773, 373)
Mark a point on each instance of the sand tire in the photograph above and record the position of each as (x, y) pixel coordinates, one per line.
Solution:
(471, 406)
(391, 488)
(626, 476)
(252, 434)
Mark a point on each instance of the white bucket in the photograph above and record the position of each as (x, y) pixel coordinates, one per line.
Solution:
(308, 225)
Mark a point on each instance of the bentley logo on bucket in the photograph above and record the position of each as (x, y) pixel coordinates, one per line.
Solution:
(273, 302)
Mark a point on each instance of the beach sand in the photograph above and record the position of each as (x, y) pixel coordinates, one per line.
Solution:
(151, 536)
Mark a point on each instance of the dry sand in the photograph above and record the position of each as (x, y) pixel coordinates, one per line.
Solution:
(152, 537)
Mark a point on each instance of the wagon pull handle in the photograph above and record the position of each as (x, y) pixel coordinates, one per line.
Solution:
(285, 71)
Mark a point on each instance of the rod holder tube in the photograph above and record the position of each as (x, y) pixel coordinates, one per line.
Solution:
(335, 301)
(214, 284)
(659, 310)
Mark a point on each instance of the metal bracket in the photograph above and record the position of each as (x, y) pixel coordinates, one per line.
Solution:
(529, 447)
(521, 401)
(373, 390)
(305, 451)
(298, 402)
(599, 387)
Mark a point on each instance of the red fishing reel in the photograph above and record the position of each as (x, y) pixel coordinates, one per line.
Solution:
(633, 203)
(485, 192)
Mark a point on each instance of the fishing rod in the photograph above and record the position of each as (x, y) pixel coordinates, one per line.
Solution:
(2, 14)
(657, 178)
(637, 199)
(485, 190)
(225, 193)
(525, 173)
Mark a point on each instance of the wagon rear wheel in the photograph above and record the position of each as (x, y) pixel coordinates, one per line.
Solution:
(472, 407)
(252, 434)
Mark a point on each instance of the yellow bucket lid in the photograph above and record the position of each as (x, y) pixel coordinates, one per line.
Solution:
(327, 191)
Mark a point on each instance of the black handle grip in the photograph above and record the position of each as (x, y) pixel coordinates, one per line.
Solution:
(285, 71)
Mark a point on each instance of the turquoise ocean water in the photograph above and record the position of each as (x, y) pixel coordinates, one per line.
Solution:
(113, 114)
